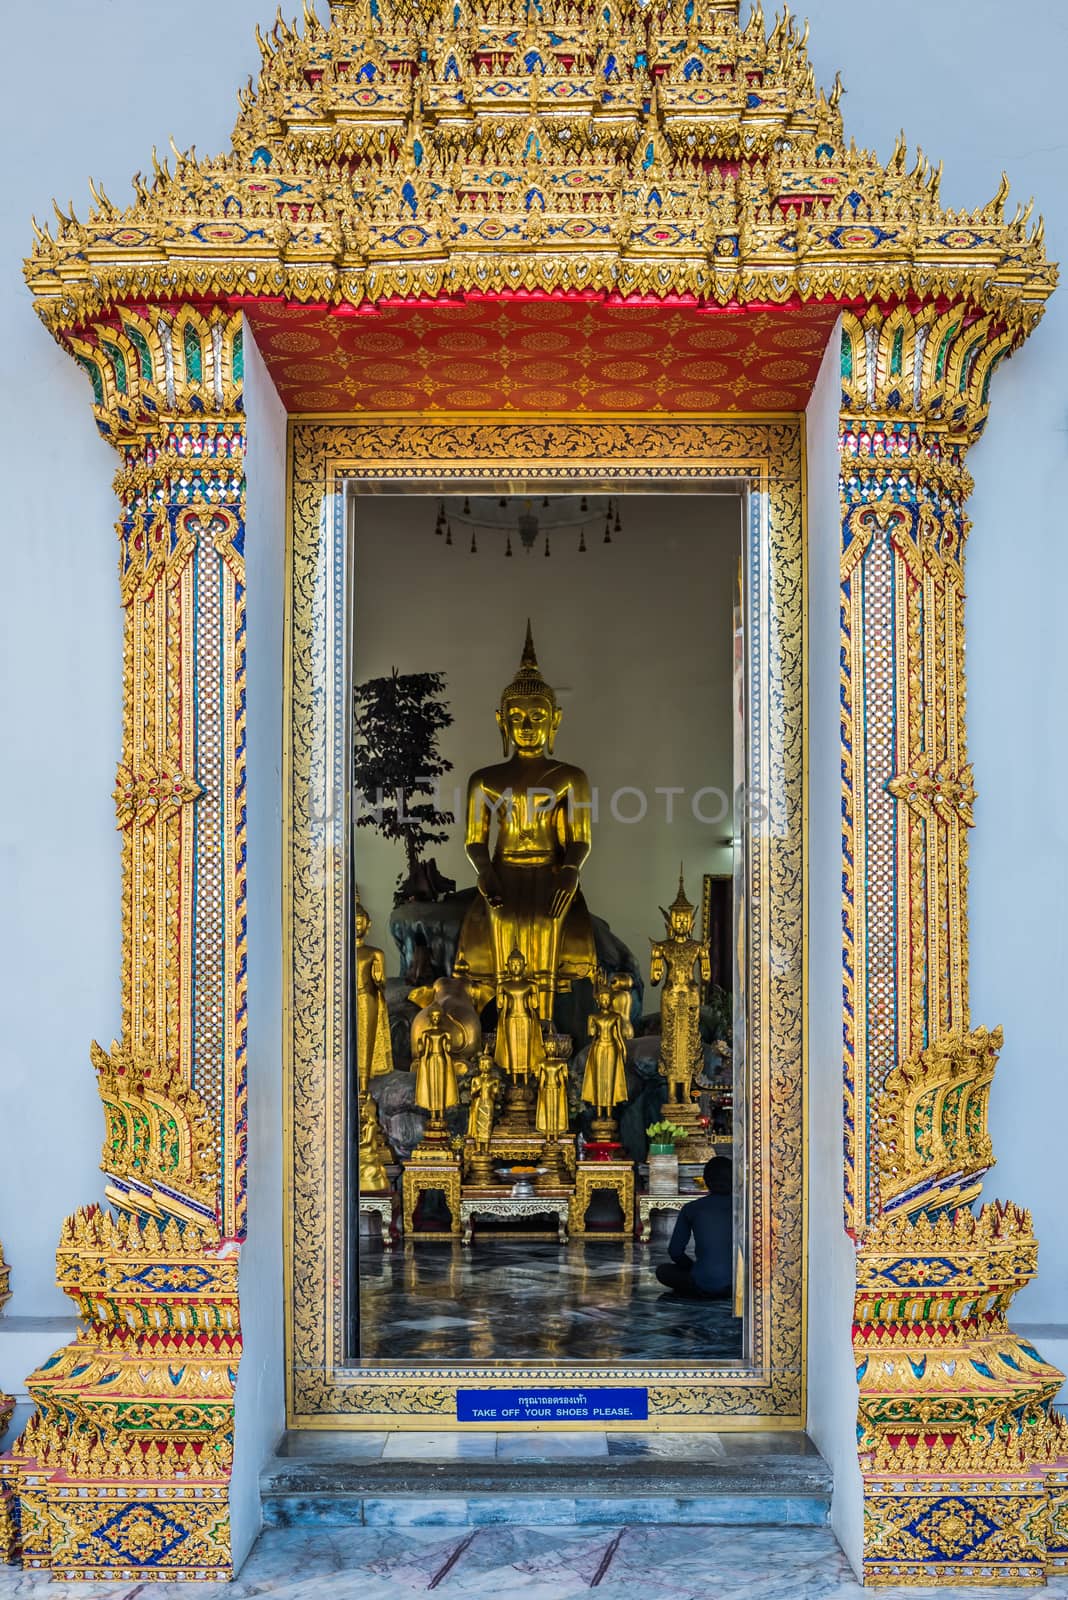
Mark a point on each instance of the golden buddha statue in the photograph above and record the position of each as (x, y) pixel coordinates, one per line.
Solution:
(529, 898)
(604, 1084)
(436, 1089)
(486, 1089)
(374, 1151)
(374, 1052)
(673, 960)
(553, 1117)
(520, 1050)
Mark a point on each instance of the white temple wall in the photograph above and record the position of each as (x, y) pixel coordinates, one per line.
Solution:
(982, 93)
(832, 1388)
(636, 639)
(260, 1400)
(85, 91)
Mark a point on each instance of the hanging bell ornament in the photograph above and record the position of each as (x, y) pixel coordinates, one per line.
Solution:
(546, 546)
(474, 545)
(467, 506)
(508, 546)
(448, 533)
(582, 542)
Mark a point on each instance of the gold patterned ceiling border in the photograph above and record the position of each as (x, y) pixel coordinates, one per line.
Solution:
(494, 147)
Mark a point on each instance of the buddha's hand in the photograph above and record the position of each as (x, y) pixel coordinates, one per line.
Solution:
(490, 887)
(567, 882)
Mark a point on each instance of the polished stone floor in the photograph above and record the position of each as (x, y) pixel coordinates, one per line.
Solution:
(532, 1300)
(621, 1563)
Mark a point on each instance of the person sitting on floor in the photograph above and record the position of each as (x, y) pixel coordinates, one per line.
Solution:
(709, 1221)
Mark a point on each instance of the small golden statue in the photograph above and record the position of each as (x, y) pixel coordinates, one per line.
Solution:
(374, 1052)
(529, 898)
(674, 959)
(604, 1084)
(553, 1116)
(486, 1088)
(621, 988)
(436, 1088)
(374, 1152)
(520, 1050)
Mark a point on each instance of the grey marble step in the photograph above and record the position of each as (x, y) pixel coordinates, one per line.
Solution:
(474, 1480)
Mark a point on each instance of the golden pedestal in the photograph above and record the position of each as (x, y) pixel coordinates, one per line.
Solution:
(428, 1174)
(615, 1175)
(697, 1145)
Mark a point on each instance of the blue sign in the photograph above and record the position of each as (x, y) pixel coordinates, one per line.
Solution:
(552, 1405)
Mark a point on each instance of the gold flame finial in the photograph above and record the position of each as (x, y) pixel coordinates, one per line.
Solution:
(528, 680)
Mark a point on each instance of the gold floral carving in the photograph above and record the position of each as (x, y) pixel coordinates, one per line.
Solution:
(161, 1143)
(934, 1147)
(329, 460)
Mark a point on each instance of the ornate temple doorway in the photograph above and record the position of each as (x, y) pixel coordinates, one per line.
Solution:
(458, 1231)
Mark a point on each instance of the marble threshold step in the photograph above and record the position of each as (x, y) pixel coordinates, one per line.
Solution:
(474, 1480)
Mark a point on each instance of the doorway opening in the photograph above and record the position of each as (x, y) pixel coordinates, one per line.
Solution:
(530, 1234)
(647, 664)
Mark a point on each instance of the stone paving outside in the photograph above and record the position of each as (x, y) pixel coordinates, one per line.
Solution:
(556, 1563)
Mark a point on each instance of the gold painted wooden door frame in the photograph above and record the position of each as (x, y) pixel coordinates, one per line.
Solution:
(328, 458)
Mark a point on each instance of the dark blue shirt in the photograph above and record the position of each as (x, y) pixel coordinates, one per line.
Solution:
(708, 1221)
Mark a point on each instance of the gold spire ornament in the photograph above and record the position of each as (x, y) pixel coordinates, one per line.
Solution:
(529, 898)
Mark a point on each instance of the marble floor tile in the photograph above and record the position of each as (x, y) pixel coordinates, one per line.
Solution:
(537, 1563)
(439, 1447)
(551, 1446)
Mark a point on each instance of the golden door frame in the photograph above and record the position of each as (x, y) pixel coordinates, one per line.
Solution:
(763, 457)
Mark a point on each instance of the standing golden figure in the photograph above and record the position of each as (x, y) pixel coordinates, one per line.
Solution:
(604, 1083)
(673, 960)
(374, 1053)
(486, 1089)
(529, 898)
(519, 1041)
(553, 1116)
(436, 1089)
(374, 1152)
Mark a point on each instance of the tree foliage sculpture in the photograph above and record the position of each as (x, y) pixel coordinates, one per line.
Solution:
(397, 768)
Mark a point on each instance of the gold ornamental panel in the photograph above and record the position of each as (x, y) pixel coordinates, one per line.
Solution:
(330, 459)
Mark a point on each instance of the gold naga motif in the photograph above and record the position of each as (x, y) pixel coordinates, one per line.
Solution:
(481, 148)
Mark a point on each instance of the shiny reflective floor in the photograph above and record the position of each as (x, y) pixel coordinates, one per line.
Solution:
(532, 1300)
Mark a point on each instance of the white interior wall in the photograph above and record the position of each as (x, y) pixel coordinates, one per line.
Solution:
(260, 1418)
(832, 1387)
(636, 639)
(961, 81)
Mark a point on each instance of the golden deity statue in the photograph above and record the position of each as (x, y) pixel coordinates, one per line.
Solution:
(485, 1092)
(529, 898)
(520, 1050)
(604, 1084)
(621, 989)
(673, 960)
(374, 1152)
(553, 1116)
(486, 1089)
(374, 1053)
(436, 1088)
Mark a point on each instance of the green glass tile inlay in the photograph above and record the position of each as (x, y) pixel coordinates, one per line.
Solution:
(194, 357)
